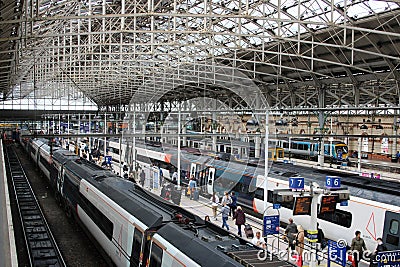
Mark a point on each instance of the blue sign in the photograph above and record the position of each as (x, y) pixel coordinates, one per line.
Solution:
(271, 225)
(108, 159)
(296, 183)
(388, 258)
(332, 182)
(276, 206)
(344, 203)
(337, 252)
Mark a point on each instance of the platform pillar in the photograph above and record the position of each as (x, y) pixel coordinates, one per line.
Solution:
(258, 147)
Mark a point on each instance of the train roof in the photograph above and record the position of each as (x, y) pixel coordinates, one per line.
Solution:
(63, 156)
(149, 209)
(208, 245)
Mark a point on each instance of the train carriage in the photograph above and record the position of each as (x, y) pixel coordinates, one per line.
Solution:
(133, 227)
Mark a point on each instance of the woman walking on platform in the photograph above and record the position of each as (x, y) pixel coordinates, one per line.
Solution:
(240, 219)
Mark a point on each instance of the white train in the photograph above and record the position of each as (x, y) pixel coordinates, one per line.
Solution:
(133, 227)
(373, 209)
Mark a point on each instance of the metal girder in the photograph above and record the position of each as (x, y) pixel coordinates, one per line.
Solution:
(121, 51)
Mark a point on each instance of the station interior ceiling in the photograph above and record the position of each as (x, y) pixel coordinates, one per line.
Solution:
(246, 54)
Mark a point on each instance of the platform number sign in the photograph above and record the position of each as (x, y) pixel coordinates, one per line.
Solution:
(332, 182)
(296, 183)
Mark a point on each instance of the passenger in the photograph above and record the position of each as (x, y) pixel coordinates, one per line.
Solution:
(299, 245)
(398, 156)
(291, 232)
(226, 199)
(258, 241)
(225, 215)
(321, 242)
(207, 218)
(233, 204)
(175, 177)
(192, 186)
(240, 219)
(379, 248)
(321, 237)
(357, 247)
(214, 204)
(142, 178)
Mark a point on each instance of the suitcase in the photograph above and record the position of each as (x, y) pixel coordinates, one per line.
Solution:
(248, 231)
(196, 195)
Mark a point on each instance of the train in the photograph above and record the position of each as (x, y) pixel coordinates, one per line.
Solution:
(132, 226)
(374, 206)
(336, 151)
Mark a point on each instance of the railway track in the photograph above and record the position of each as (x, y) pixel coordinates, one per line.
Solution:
(41, 246)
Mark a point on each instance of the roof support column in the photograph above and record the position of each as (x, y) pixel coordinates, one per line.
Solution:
(321, 124)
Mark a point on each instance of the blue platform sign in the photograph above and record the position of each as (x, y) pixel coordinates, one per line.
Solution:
(344, 203)
(337, 252)
(108, 159)
(332, 182)
(388, 258)
(276, 206)
(271, 225)
(296, 183)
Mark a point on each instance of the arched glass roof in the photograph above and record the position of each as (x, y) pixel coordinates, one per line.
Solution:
(114, 50)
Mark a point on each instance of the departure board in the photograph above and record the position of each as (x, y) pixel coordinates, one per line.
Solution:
(328, 204)
(302, 206)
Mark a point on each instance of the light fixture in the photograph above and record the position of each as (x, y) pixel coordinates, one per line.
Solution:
(295, 122)
(252, 122)
(379, 126)
(364, 126)
(281, 122)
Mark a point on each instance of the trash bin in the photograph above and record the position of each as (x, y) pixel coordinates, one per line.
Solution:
(176, 195)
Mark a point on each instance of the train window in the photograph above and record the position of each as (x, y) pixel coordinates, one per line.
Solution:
(105, 225)
(285, 145)
(259, 194)
(136, 247)
(340, 217)
(155, 255)
(394, 227)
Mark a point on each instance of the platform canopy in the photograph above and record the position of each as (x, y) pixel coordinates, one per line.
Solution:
(116, 52)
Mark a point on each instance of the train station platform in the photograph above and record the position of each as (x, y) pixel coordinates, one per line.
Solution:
(8, 250)
(367, 168)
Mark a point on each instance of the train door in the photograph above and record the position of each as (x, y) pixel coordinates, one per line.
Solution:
(391, 230)
(203, 179)
(210, 183)
(137, 254)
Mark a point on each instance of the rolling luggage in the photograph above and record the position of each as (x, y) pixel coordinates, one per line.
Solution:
(196, 194)
(248, 231)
